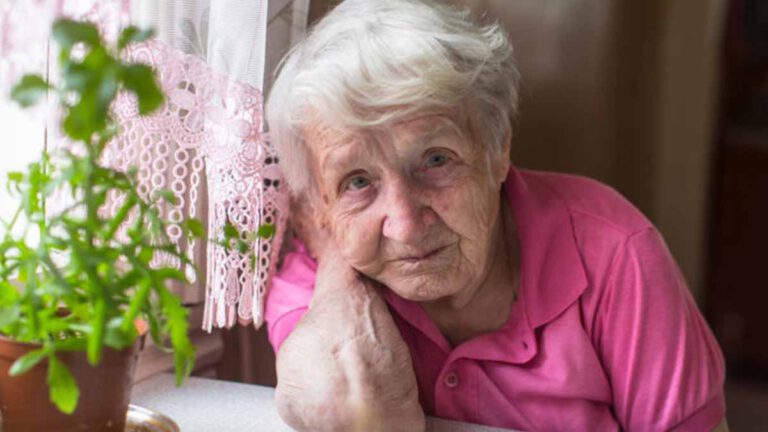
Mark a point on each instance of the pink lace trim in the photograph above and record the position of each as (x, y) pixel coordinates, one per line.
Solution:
(207, 135)
(214, 123)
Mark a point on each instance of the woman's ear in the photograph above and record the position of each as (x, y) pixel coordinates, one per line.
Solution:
(502, 160)
(309, 217)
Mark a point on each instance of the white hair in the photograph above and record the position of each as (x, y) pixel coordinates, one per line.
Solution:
(370, 63)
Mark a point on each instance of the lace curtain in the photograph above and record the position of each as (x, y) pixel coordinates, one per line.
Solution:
(207, 144)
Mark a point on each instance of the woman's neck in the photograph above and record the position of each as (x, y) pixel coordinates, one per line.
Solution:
(490, 304)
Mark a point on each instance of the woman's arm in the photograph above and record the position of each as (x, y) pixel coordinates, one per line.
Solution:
(666, 369)
(345, 366)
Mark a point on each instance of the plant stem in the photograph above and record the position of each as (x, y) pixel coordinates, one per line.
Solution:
(15, 218)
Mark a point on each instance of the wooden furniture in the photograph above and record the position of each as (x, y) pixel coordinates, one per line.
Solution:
(737, 293)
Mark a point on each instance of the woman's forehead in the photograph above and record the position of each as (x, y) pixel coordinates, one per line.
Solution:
(323, 137)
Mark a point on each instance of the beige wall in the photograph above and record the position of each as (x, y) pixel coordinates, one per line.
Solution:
(688, 95)
(623, 91)
(565, 60)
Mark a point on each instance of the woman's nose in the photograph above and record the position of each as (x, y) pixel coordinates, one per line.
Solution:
(407, 215)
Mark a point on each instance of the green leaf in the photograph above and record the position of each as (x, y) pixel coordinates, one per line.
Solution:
(118, 337)
(153, 222)
(107, 92)
(266, 231)
(63, 388)
(184, 351)
(106, 73)
(9, 315)
(166, 195)
(75, 76)
(230, 232)
(81, 120)
(53, 325)
(81, 328)
(146, 254)
(98, 61)
(140, 79)
(120, 217)
(69, 32)
(9, 294)
(166, 273)
(242, 247)
(81, 311)
(14, 179)
(155, 330)
(138, 300)
(28, 361)
(195, 227)
(29, 90)
(70, 344)
(131, 35)
(129, 280)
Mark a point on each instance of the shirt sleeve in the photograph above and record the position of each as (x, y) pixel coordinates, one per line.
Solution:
(666, 368)
(289, 294)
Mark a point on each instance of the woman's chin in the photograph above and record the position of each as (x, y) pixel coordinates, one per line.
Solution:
(423, 292)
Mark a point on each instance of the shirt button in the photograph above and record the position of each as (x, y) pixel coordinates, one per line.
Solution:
(451, 380)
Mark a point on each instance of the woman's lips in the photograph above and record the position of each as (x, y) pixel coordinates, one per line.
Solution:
(424, 257)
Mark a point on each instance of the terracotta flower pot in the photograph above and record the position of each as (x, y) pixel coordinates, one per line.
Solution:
(105, 391)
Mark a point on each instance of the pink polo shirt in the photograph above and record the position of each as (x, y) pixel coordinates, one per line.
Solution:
(604, 334)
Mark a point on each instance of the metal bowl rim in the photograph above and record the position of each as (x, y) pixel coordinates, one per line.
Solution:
(167, 423)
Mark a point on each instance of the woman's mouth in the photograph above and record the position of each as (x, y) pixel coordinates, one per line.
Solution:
(424, 257)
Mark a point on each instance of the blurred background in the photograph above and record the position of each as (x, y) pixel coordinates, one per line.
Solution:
(667, 101)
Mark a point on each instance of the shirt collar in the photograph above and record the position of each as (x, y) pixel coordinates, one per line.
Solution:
(552, 275)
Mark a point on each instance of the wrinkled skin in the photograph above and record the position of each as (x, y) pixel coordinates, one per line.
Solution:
(345, 366)
(415, 209)
(415, 206)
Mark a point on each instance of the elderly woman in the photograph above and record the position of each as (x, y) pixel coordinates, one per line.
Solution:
(433, 277)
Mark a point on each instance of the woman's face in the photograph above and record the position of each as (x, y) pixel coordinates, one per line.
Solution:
(414, 207)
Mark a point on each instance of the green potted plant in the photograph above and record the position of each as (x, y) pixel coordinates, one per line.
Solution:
(73, 284)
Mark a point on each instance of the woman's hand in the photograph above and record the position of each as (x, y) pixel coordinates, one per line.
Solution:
(345, 366)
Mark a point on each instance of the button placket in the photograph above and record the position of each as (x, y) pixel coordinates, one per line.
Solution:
(451, 379)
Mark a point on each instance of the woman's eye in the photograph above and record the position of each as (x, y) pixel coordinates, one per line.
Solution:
(357, 183)
(436, 160)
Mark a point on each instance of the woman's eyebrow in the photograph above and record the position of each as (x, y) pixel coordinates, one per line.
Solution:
(442, 129)
(342, 154)
(349, 151)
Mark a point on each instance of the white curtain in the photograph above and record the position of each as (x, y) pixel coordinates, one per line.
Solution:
(229, 37)
(208, 144)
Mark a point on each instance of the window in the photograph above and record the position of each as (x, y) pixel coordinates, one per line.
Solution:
(22, 137)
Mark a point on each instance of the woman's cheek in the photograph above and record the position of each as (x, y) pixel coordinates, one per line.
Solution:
(467, 208)
(356, 240)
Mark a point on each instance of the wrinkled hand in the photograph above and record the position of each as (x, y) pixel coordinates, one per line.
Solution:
(345, 366)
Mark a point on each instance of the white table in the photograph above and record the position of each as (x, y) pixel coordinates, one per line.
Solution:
(205, 405)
